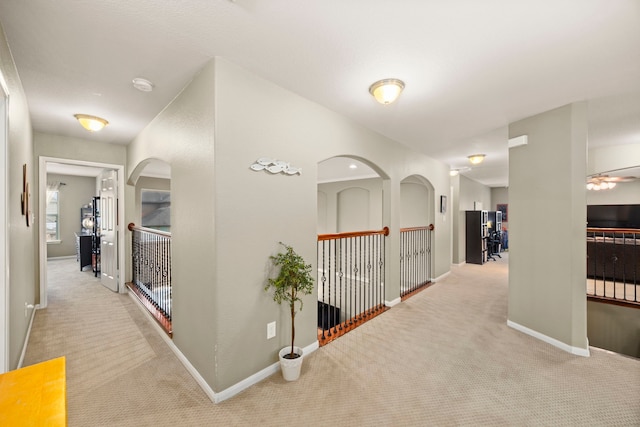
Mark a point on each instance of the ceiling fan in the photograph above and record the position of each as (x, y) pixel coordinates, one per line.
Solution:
(606, 182)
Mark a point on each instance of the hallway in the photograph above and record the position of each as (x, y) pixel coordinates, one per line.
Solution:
(443, 357)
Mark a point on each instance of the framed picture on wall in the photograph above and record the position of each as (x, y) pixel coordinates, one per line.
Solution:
(443, 204)
(503, 209)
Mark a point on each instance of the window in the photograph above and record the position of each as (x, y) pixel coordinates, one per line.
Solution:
(53, 232)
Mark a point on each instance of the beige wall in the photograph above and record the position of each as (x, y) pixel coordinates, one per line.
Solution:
(613, 327)
(221, 311)
(417, 209)
(147, 183)
(21, 278)
(349, 215)
(182, 135)
(547, 269)
(77, 191)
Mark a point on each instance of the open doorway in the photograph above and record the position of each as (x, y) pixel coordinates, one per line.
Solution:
(91, 169)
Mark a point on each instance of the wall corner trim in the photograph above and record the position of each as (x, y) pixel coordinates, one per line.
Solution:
(584, 352)
(393, 302)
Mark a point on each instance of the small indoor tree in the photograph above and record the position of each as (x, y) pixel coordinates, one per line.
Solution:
(293, 281)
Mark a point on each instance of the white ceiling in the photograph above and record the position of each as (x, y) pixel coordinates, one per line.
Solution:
(470, 67)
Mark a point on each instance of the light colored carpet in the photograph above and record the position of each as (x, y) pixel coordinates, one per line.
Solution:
(445, 357)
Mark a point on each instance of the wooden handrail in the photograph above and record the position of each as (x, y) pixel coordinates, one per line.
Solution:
(613, 230)
(132, 227)
(384, 231)
(426, 227)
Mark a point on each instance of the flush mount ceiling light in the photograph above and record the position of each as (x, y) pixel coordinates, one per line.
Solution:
(476, 159)
(454, 172)
(142, 85)
(386, 91)
(91, 123)
(605, 182)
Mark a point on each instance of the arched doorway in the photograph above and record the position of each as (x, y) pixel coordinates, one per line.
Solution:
(151, 280)
(351, 245)
(417, 215)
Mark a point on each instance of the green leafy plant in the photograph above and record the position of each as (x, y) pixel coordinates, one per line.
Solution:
(293, 280)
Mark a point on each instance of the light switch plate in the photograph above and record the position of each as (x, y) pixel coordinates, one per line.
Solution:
(271, 330)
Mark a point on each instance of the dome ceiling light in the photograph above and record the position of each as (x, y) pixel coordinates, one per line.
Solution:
(476, 159)
(91, 123)
(386, 91)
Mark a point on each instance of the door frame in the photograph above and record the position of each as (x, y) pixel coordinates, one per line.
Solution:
(43, 160)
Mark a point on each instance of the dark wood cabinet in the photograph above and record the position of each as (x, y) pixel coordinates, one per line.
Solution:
(476, 237)
(84, 245)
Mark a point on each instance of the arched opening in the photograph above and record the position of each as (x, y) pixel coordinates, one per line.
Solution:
(417, 213)
(351, 245)
(151, 240)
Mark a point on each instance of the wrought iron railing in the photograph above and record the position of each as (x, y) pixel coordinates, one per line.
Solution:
(351, 269)
(613, 264)
(415, 259)
(151, 265)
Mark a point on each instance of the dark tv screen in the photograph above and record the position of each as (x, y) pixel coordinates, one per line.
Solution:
(613, 216)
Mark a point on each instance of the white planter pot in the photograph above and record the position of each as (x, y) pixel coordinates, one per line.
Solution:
(290, 367)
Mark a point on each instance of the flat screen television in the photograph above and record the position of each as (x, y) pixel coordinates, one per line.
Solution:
(613, 216)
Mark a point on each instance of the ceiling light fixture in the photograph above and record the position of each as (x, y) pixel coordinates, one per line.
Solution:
(454, 172)
(386, 91)
(596, 185)
(142, 85)
(91, 123)
(476, 159)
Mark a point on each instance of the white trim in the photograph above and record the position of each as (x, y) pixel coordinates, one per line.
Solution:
(258, 376)
(26, 339)
(441, 277)
(393, 302)
(584, 352)
(234, 389)
(55, 258)
(189, 367)
(42, 162)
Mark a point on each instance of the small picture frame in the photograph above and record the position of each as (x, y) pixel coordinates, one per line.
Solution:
(443, 204)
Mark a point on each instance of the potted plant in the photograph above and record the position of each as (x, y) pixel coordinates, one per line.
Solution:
(293, 281)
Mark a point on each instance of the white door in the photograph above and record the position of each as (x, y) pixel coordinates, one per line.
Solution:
(109, 229)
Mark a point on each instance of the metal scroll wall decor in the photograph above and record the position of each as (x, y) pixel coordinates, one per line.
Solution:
(275, 166)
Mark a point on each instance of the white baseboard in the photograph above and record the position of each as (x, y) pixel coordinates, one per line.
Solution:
(393, 302)
(584, 352)
(258, 376)
(26, 339)
(441, 277)
(234, 389)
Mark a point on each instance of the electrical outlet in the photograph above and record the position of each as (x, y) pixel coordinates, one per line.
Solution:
(271, 330)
